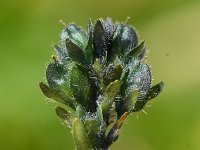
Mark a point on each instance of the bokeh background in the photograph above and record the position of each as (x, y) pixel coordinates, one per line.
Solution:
(171, 28)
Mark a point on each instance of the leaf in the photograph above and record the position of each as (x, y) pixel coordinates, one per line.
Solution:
(66, 116)
(80, 136)
(114, 132)
(57, 95)
(109, 96)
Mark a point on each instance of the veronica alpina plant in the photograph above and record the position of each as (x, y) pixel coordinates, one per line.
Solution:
(101, 75)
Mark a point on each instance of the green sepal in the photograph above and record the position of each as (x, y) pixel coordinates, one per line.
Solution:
(118, 61)
(97, 66)
(109, 27)
(124, 39)
(79, 85)
(57, 95)
(124, 82)
(59, 52)
(91, 125)
(76, 34)
(112, 73)
(99, 117)
(113, 134)
(152, 93)
(58, 76)
(137, 52)
(75, 52)
(111, 115)
(139, 104)
(55, 73)
(128, 103)
(109, 96)
(93, 130)
(66, 116)
(80, 135)
(100, 39)
(80, 111)
(155, 90)
(69, 78)
(139, 78)
(89, 50)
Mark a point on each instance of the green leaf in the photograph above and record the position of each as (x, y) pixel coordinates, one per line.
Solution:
(80, 135)
(57, 95)
(109, 96)
(66, 116)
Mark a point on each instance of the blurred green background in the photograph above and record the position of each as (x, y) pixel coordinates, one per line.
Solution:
(171, 28)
